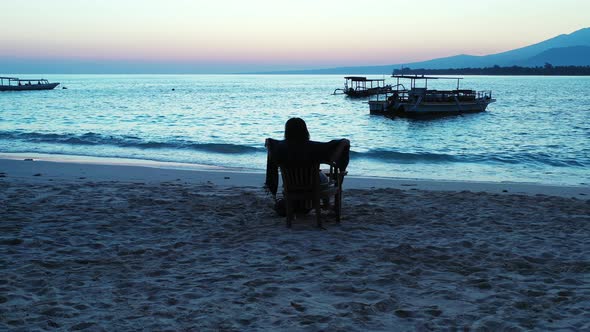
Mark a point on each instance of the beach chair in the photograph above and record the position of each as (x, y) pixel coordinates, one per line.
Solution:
(301, 183)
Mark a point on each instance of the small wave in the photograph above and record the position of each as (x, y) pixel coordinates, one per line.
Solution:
(512, 158)
(226, 148)
(537, 158)
(404, 157)
(95, 139)
(127, 141)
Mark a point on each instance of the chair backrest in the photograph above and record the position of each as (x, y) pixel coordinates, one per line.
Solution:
(300, 178)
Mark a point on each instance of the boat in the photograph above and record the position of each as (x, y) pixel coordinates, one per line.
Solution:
(358, 86)
(17, 84)
(417, 101)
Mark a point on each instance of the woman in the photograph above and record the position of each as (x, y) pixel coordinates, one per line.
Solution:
(298, 149)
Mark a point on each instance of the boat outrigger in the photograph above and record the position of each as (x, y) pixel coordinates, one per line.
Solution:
(17, 84)
(358, 86)
(418, 101)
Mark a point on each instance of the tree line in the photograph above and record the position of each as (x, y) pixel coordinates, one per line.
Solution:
(546, 70)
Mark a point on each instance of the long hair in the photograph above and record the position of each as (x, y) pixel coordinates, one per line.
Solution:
(296, 130)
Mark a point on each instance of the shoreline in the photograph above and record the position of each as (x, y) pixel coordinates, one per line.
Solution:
(42, 167)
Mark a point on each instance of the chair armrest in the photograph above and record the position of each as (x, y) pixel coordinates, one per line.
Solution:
(343, 145)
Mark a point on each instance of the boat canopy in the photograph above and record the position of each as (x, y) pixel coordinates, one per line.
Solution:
(414, 78)
(422, 77)
(22, 79)
(362, 79)
(9, 81)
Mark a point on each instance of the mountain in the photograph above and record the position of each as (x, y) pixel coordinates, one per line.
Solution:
(566, 49)
(560, 56)
(513, 57)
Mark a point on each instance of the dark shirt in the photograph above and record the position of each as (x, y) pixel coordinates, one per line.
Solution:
(300, 153)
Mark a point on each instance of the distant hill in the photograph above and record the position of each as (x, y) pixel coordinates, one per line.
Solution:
(563, 50)
(561, 56)
(546, 70)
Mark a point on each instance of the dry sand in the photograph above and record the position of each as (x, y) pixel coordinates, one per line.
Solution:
(116, 248)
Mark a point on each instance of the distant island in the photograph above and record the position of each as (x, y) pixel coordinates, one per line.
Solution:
(546, 70)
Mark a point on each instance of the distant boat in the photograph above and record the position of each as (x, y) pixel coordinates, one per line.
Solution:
(17, 84)
(357, 86)
(418, 101)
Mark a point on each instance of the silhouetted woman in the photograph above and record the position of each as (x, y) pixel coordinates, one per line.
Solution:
(297, 148)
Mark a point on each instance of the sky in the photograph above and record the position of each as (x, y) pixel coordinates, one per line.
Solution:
(253, 35)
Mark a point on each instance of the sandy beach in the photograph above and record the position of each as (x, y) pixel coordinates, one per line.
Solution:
(103, 247)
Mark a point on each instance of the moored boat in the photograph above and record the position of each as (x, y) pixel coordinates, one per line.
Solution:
(417, 101)
(358, 86)
(17, 84)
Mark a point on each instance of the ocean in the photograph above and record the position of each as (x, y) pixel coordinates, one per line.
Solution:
(538, 130)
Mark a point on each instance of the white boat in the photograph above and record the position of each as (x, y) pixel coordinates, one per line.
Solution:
(17, 84)
(417, 101)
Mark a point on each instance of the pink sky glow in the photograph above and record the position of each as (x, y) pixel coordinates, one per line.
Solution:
(286, 34)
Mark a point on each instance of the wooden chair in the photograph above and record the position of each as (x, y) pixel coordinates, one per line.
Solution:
(301, 183)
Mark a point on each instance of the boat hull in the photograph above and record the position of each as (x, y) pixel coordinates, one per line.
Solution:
(428, 108)
(25, 87)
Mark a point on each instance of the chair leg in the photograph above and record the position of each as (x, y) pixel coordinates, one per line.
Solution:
(318, 212)
(289, 210)
(338, 205)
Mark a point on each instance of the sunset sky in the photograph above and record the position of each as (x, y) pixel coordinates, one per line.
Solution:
(243, 35)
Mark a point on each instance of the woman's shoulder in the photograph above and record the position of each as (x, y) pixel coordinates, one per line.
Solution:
(329, 143)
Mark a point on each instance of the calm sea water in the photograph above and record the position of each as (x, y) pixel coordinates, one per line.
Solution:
(537, 131)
